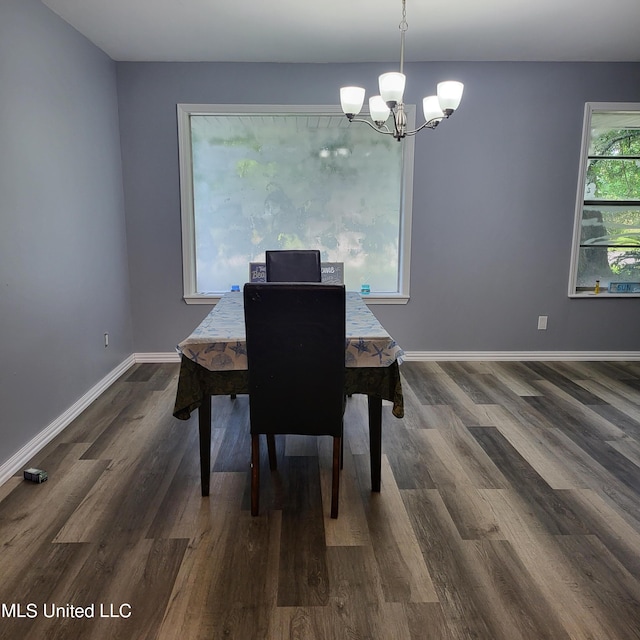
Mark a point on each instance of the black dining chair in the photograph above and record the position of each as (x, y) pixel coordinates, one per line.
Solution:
(296, 359)
(293, 265)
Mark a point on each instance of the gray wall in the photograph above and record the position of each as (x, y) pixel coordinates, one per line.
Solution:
(63, 263)
(494, 197)
(493, 208)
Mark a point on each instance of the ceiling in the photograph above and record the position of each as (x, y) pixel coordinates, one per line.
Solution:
(357, 30)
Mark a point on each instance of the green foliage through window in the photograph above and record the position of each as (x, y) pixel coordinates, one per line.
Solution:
(609, 208)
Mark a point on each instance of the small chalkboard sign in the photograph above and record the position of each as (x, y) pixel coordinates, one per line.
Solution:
(257, 272)
(331, 272)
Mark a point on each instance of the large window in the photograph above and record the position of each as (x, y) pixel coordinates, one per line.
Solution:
(258, 178)
(606, 246)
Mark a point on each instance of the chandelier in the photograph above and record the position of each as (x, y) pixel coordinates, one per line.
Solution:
(389, 102)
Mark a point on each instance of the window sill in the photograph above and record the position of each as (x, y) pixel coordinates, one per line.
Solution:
(389, 298)
(603, 294)
(370, 299)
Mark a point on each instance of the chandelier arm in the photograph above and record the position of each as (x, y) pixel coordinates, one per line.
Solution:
(430, 124)
(384, 130)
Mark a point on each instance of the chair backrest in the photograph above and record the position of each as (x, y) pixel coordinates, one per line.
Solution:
(293, 265)
(296, 357)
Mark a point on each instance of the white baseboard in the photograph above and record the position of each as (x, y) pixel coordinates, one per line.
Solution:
(426, 356)
(17, 461)
(521, 355)
(416, 356)
(166, 356)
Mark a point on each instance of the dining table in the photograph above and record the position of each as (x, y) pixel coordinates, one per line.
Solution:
(213, 361)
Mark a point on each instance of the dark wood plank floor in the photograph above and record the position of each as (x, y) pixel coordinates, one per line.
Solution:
(510, 509)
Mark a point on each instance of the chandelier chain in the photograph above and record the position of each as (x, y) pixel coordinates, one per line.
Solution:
(403, 26)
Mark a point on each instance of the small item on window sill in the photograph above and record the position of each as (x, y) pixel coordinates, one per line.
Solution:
(597, 287)
(235, 287)
(36, 475)
(365, 289)
(624, 287)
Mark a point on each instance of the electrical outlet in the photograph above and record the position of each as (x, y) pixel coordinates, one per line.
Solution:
(106, 340)
(542, 323)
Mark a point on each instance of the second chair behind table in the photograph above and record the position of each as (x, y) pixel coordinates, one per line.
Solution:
(293, 265)
(296, 360)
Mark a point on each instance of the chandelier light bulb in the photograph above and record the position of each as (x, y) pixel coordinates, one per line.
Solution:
(450, 95)
(352, 99)
(392, 87)
(432, 110)
(378, 109)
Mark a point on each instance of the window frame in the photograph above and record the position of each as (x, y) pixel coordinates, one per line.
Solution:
(184, 113)
(589, 109)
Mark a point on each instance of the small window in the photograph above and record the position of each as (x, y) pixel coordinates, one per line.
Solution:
(255, 178)
(606, 244)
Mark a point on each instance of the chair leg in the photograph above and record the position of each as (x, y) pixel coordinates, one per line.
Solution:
(271, 448)
(335, 483)
(375, 440)
(255, 474)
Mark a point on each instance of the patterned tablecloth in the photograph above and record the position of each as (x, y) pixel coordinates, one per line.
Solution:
(218, 343)
(214, 357)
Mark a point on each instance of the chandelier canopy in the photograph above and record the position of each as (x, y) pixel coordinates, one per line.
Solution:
(389, 102)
